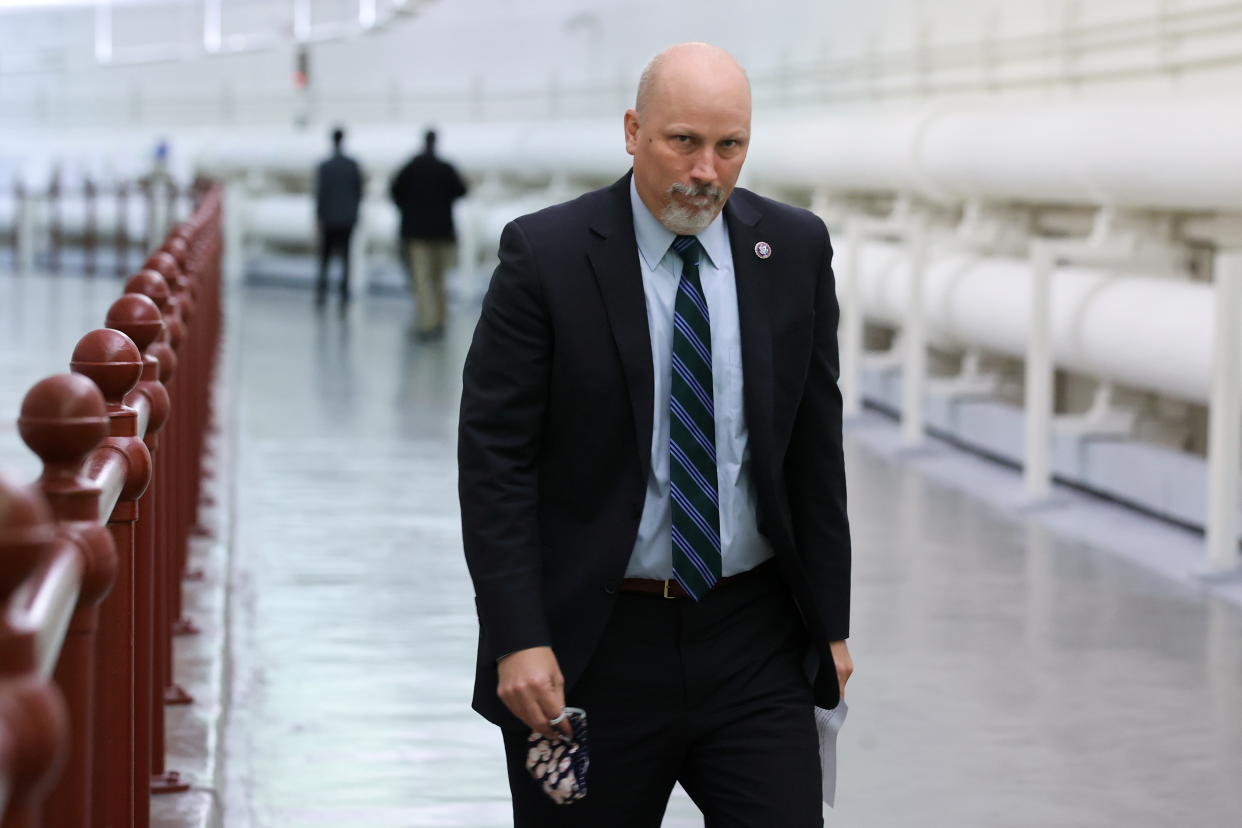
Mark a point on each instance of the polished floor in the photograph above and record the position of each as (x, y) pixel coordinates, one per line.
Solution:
(42, 317)
(1008, 675)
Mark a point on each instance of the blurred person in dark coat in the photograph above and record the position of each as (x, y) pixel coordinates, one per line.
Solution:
(424, 191)
(338, 191)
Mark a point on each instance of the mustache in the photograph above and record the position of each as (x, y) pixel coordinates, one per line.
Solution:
(714, 193)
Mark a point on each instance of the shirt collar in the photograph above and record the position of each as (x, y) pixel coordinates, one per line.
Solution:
(654, 239)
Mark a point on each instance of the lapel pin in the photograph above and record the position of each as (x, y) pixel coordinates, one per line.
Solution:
(763, 250)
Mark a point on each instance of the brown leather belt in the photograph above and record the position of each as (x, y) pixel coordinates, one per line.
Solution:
(669, 588)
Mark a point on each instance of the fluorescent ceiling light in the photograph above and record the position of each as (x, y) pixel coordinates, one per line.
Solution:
(27, 5)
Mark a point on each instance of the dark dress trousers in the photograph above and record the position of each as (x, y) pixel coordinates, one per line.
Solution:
(554, 452)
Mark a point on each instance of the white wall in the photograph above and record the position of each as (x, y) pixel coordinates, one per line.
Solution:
(500, 59)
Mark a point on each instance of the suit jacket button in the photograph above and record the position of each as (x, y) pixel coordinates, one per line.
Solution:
(610, 587)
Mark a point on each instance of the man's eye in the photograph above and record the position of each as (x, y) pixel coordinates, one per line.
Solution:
(682, 139)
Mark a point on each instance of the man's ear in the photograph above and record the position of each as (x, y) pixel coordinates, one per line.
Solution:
(631, 131)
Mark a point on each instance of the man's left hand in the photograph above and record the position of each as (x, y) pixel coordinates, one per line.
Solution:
(845, 664)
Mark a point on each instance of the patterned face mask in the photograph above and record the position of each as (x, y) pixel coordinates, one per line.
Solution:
(560, 766)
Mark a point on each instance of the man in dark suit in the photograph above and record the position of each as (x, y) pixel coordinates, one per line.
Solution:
(651, 476)
(424, 191)
(338, 192)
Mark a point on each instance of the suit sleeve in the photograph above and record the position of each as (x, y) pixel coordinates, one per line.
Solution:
(815, 466)
(504, 395)
(396, 188)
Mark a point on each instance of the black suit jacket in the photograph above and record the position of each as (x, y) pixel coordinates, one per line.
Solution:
(338, 190)
(554, 439)
(424, 191)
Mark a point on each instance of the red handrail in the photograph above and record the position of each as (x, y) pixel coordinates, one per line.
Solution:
(93, 556)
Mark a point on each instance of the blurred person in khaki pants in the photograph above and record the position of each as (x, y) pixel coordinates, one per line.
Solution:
(424, 191)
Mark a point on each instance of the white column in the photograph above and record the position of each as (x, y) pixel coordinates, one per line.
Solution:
(852, 327)
(1037, 475)
(1225, 418)
(234, 231)
(914, 337)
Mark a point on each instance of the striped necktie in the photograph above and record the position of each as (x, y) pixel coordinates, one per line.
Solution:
(692, 432)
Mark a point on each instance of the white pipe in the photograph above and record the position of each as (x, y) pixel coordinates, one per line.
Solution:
(1112, 151)
(1101, 151)
(1039, 370)
(1098, 327)
(1225, 418)
(914, 337)
(235, 219)
(73, 213)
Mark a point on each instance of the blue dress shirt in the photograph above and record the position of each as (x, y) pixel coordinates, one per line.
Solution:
(742, 547)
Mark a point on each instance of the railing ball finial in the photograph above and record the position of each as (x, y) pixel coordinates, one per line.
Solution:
(112, 360)
(138, 317)
(153, 285)
(166, 265)
(179, 249)
(63, 418)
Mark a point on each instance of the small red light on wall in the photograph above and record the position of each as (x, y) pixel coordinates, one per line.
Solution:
(301, 68)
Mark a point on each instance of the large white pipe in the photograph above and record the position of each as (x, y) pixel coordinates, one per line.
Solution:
(290, 219)
(1147, 332)
(1168, 152)
(1174, 153)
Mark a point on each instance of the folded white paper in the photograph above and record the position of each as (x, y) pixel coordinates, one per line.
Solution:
(828, 722)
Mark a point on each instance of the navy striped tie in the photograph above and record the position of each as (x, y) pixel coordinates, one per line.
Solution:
(692, 432)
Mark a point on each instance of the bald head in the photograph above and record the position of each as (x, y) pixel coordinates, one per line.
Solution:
(685, 63)
(688, 132)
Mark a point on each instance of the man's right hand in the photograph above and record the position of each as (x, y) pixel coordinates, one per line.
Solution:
(532, 687)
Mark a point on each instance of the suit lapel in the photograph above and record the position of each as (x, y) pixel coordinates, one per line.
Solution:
(753, 277)
(614, 258)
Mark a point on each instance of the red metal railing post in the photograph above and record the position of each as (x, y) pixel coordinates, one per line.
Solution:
(182, 429)
(63, 418)
(114, 363)
(138, 314)
(160, 269)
